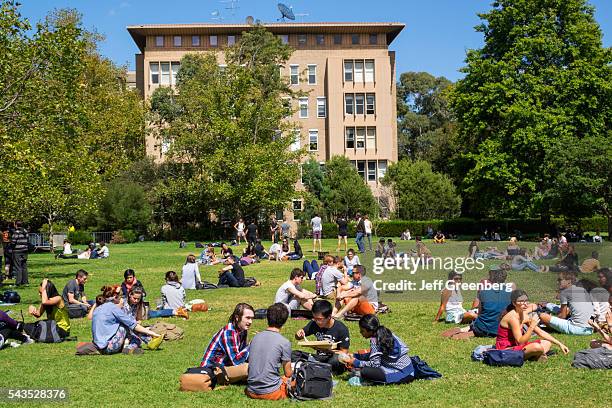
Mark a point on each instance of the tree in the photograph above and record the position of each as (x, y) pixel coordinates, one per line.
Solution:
(540, 84)
(421, 193)
(426, 127)
(230, 141)
(342, 191)
(124, 207)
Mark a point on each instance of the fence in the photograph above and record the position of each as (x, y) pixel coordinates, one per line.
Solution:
(41, 240)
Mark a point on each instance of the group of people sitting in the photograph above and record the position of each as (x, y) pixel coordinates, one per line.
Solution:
(91, 252)
(257, 363)
(254, 252)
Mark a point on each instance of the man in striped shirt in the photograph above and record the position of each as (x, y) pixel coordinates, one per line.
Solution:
(228, 346)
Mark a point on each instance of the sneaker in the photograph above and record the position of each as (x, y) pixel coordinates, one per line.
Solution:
(182, 312)
(358, 382)
(132, 351)
(14, 344)
(1, 341)
(29, 340)
(155, 343)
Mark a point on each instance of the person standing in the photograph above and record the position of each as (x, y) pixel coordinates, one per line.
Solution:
(367, 224)
(252, 234)
(317, 230)
(274, 229)
(19, 255)
(360, 233)
(285, 228)
(6, 240)
(239, 227)
(342, 224)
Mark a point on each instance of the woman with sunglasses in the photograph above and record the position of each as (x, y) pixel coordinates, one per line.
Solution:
(512, 334)
(451, 302)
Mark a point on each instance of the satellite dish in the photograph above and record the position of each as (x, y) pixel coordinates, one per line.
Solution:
(258, 22)
(286, 12)
(249, 20)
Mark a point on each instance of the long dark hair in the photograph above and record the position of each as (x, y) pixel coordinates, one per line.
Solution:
(384, 336)
(517, 293)
(51, 292)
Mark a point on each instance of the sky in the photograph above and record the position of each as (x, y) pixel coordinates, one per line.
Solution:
(435, 39)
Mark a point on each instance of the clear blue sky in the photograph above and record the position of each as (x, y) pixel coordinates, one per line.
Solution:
(436, 36)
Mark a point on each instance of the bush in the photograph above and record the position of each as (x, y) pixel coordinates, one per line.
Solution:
(124, 237)
(80, 237)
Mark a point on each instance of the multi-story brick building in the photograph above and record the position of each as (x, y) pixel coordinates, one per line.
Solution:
(347, 68)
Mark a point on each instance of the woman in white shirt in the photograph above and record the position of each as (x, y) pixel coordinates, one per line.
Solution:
(191, 273)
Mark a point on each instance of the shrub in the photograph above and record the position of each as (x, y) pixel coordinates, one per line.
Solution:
(80, 237)
(124, 237)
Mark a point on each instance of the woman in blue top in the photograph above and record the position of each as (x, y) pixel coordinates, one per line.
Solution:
(387, 361)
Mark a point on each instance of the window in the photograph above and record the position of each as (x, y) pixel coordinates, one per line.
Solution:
(350, 137)
(301, 39)
(154, 69)
(373, 39)
(195, 40)
(312, 75)
(355, 39)
(369, 70)
(159, 40)
(371, 138)
(165, 73)
(370, 104)
(359, 102)
(177, 40)
(337, 39)
(321, 107)
(295, 77)
(382, 168)
(372, 170)
(297, 205)
(303, 108)
(320, 39)
(175, 69)
(213, 40)
(313, 140)
(297, 140)
(284, 38)
(231, 39)
(349, 108)
(361, 168)
(348, 71)
(358, 71)
(360, 137)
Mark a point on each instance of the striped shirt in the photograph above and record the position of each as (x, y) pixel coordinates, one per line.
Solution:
(398, 359)
(227, 347)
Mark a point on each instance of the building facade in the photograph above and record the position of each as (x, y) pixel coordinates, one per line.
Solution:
(346, 68)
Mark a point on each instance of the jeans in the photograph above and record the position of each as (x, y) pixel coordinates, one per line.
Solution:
(310, 267)
(19, 262)
(369, 236)
(161, 313)
(229, 279)
(522, 265)
(359, 242)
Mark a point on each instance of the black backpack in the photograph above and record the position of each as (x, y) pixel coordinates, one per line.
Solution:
(10, 296)
(43, 331)
(313, 381)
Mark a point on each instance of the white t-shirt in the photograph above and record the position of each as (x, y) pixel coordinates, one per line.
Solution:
(240, 226)
(67, 248)
(283, 295)
(103, 252)
(316, 224)
(331, 276)
(190, 275)
(368, 226)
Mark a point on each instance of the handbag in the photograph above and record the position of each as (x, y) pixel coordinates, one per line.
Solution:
(504, 358)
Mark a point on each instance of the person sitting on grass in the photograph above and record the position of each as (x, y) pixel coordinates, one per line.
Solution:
(406, 235)
(291, 293)
(523, 261)
(173, 299)
(101, 252)
(334, 273)
(55, 307)
(513, 247)
(325, 328)
(228, 348)
(604, 330)
(359, 295)
(421, 250)
(379, 251)
(12, 329)
(111, 326)
(351, 260)
(232, 274)
(190, 275)
(386, 362)
(133, 304)
(276, 252)
(260, 251)
(130, 282)
(569, 262)
(542, 249)
(511, 334)
(269, 350)
(590, 264)
(576, 308)
(74, 295)
(439, 238)
(451, 302)
(297, 253)
(390, 249)
(226, 251)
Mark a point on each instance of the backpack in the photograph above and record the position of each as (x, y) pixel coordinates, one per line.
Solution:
(422, 371)
(43, 331)
(261, 313)
(248, 282)
(478, 353)
(198, 379)
(593, 358)
(204, 285)
(170, 331)
(504, 358)
(10, 296)
(313, 381)
(319, 279)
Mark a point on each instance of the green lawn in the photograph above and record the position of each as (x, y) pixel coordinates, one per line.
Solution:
(152, 379)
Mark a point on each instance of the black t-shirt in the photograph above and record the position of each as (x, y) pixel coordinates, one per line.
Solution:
(342, 226)
(238, 272)
(252, 230)
(73, 287)
(337, 333)
(259, 250)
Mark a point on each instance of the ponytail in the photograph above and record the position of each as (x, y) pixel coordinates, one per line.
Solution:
(384, 336)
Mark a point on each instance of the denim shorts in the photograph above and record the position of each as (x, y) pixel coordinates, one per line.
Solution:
(567, 327)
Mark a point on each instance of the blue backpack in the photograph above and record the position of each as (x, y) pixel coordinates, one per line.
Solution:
(422, 371)
(504, 358)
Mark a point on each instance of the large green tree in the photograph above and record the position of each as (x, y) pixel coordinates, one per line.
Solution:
(541, 84)
(230, 139)
(422, 194)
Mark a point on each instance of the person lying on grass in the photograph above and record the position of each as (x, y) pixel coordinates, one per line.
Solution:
(387, 361)
(451, 302)
(511, 334)
(291, 293)
(358, 296)
(269, 350)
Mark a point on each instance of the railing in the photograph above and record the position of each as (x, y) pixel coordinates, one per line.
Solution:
(41, 240)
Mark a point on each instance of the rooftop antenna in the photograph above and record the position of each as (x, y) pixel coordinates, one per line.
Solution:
(231, 5)
(301, 15)
(215, 15)
(286, 12)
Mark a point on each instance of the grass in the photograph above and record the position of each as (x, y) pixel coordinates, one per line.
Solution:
(152, 379)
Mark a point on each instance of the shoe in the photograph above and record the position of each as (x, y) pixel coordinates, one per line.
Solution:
(29, 340)
(182, 312)
(132, 351)
(1, 341)
(155, 343)
(14, 344)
